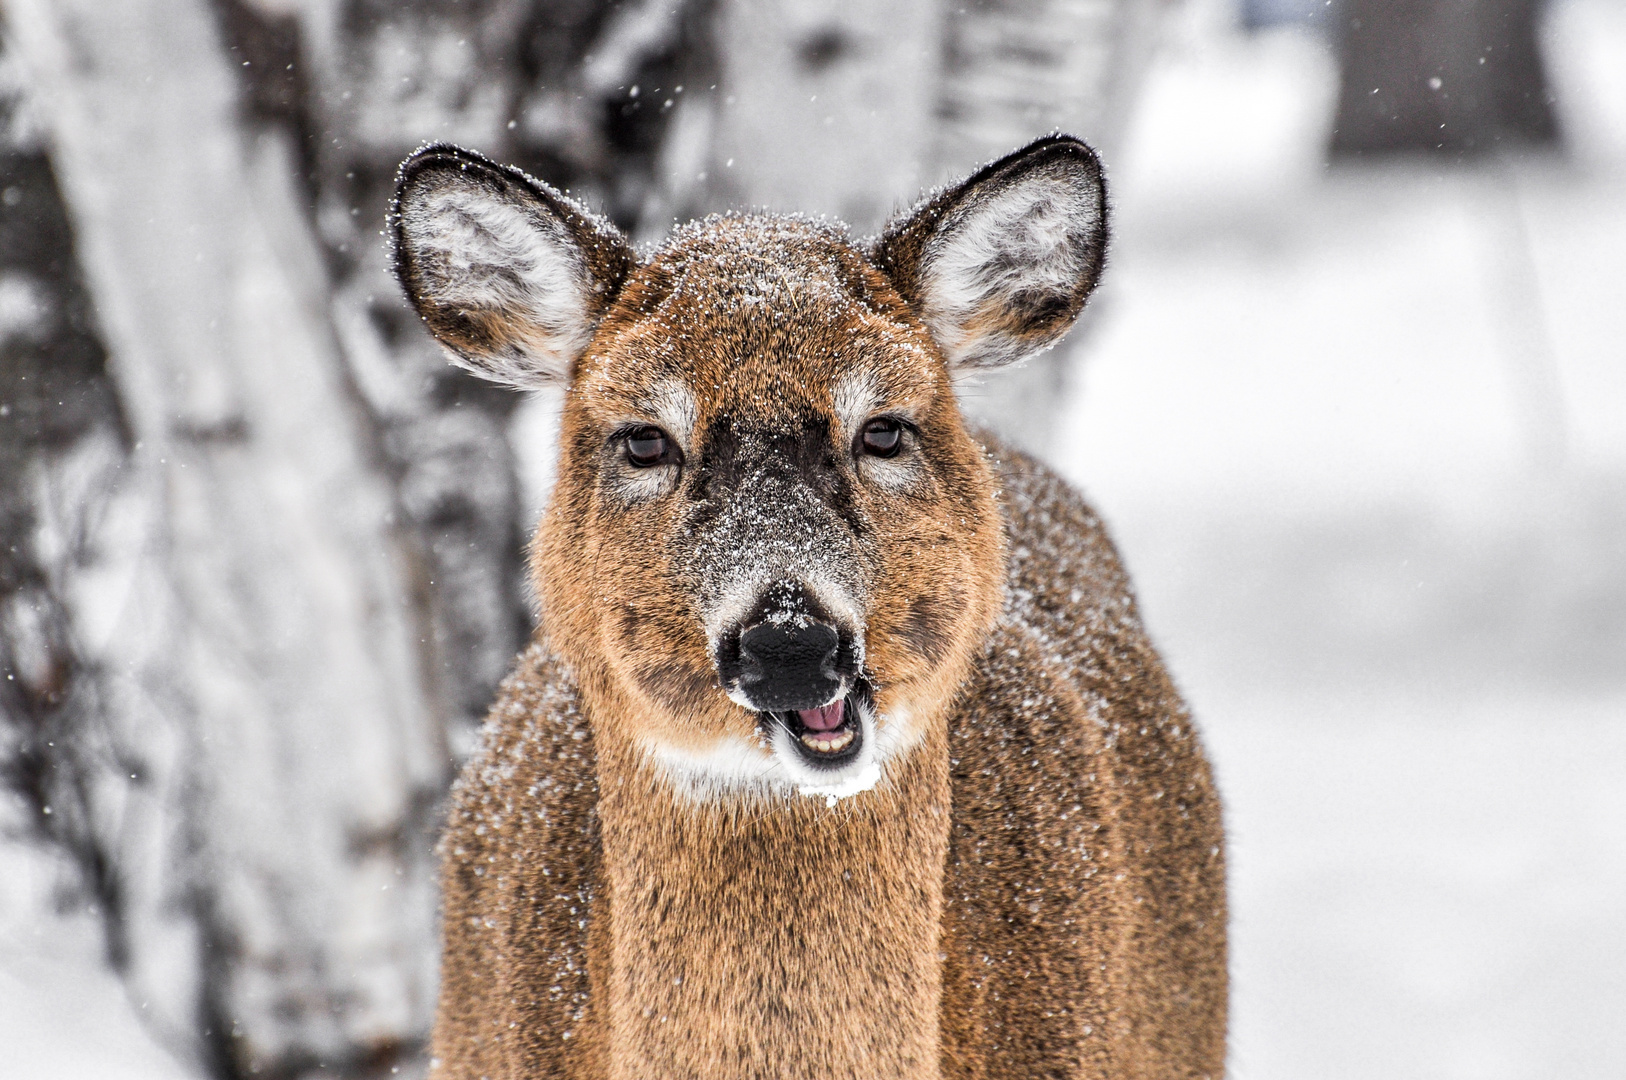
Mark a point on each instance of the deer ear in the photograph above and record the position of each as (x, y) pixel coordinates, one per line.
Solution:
(999, 266)
(510, 275)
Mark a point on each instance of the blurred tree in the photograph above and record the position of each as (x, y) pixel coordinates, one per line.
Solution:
(271, 708)
(63, 443)
(850, 110)
(1448, 76)
(1262, 14)
(262, 547)
(1012, 71)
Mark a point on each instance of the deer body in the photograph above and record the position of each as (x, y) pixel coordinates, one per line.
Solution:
(841, 751)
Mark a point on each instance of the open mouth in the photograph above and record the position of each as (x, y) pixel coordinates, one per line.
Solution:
(829, 736)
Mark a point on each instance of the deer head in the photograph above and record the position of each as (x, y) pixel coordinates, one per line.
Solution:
(773, 547)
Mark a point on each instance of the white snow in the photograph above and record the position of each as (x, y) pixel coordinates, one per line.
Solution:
(63, 1014)
(1424, 884)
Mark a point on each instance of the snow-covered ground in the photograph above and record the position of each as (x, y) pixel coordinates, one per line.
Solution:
(1362, 437)
(64, 1015)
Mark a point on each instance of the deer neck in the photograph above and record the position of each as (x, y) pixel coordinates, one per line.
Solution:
(778, 937)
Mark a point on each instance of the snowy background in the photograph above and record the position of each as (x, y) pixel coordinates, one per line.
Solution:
(1361, 434)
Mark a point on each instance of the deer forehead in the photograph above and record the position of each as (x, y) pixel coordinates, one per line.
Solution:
(762, 321)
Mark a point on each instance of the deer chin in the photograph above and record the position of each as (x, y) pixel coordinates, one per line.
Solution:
(849, 755)
(828, 752)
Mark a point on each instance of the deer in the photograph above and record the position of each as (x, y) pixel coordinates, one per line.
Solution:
(840, 750)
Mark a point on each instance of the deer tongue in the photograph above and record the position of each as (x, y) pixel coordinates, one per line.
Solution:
(825, 718)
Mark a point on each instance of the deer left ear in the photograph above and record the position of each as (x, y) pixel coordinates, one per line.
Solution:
(509, 274)
(999, 266)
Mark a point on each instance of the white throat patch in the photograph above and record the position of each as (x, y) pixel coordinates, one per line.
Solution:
(771, 768)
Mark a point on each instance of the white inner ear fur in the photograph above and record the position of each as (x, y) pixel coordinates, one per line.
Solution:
(479, 251)
(1033, 237)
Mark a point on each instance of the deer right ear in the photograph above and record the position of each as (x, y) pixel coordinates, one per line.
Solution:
(510, 275)
(999, 266)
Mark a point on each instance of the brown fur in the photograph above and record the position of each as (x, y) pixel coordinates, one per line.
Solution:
(1054, 964)
(1036, 888)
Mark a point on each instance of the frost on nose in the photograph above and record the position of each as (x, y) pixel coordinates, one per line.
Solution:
(787, 653)
(790, 665)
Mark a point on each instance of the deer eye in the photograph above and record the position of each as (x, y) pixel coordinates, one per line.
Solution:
(881, 437)
(650, 446)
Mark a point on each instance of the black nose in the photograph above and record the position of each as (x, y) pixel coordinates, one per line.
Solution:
(789, 665)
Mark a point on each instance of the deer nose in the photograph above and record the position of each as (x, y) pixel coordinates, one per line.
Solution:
(790, 664)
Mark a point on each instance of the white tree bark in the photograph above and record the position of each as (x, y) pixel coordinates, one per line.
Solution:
(825, 107)
(1016, 69)
(271, 634)
(380, 82)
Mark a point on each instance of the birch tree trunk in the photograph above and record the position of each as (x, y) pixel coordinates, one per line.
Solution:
(380, 80)
(825, 107)
(267, 626)
(63, 448)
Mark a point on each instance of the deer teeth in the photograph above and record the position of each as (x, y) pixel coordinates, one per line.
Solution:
(827, 746)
